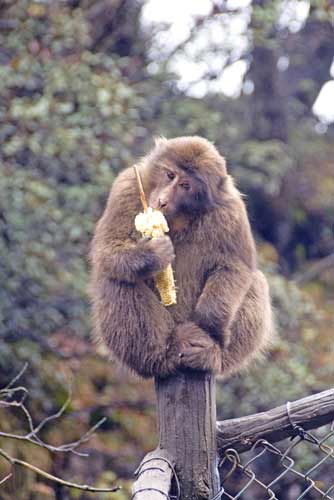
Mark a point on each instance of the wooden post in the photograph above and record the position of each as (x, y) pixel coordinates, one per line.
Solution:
(187, 428)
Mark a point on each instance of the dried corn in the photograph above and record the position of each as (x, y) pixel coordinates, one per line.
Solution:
(153, 224)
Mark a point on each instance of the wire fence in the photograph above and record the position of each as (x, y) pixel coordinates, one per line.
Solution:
(299, 468)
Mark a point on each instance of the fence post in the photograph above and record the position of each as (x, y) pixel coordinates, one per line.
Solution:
(187, 428)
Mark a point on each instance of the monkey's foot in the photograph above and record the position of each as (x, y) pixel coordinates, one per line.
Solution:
(197, 350)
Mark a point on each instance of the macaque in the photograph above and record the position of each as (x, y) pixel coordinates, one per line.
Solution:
(222, 319)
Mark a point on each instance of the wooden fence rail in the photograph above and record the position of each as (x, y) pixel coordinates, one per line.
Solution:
(276, 424)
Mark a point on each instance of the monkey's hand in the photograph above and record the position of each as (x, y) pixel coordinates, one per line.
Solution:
(196, 349)
(163, 251)
(130, 261)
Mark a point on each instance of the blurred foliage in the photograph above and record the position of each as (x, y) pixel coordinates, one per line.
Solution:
(77, 104)
(70, 118)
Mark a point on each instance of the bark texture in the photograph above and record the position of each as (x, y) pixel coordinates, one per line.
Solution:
(187, 427)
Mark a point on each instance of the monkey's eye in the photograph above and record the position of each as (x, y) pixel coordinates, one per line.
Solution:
(170, 175)
(185, 185)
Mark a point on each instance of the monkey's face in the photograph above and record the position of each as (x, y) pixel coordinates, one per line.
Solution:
(178, 192)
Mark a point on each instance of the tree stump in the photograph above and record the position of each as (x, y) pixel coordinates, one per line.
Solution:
(187, 428)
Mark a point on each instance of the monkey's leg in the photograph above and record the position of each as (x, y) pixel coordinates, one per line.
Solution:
(136, 327)
(251, 330)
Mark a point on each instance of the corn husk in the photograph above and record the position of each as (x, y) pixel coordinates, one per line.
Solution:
(152, 224)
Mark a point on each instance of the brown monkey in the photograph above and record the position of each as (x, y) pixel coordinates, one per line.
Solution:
(222, 318)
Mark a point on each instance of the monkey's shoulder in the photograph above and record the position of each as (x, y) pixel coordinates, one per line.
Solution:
(124, 189)
(124, 200)
(117, 221)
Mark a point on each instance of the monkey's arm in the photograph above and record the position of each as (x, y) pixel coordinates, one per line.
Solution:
(127, 260)
(128, 316)
(231, 323)
(202, 338)
(231, 275)
(117, 250)
(221, 298)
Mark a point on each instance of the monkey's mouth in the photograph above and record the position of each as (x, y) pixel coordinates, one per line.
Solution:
(169, 214)
(164, 210)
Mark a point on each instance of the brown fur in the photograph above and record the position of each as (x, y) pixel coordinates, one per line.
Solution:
(222, 318)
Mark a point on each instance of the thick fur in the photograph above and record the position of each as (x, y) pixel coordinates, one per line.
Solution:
(222, 319)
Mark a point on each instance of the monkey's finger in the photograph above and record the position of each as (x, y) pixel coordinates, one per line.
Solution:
(193, 362)
(192, 332)
(192, 351)
(164, 241)
(203, 342)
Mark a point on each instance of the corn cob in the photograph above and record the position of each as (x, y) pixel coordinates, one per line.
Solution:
(153, 224)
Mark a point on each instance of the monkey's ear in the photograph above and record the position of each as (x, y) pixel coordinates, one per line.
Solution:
(216, 191)
(159, 141)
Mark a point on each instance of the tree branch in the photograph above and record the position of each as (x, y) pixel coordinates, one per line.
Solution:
(4, 479)
(33, 435)
(51, 477)
(315, 269)
(7, 400)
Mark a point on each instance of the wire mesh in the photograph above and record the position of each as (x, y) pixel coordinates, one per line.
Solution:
(299, 468)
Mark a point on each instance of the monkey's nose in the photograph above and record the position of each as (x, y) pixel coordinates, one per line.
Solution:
(162, 204)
